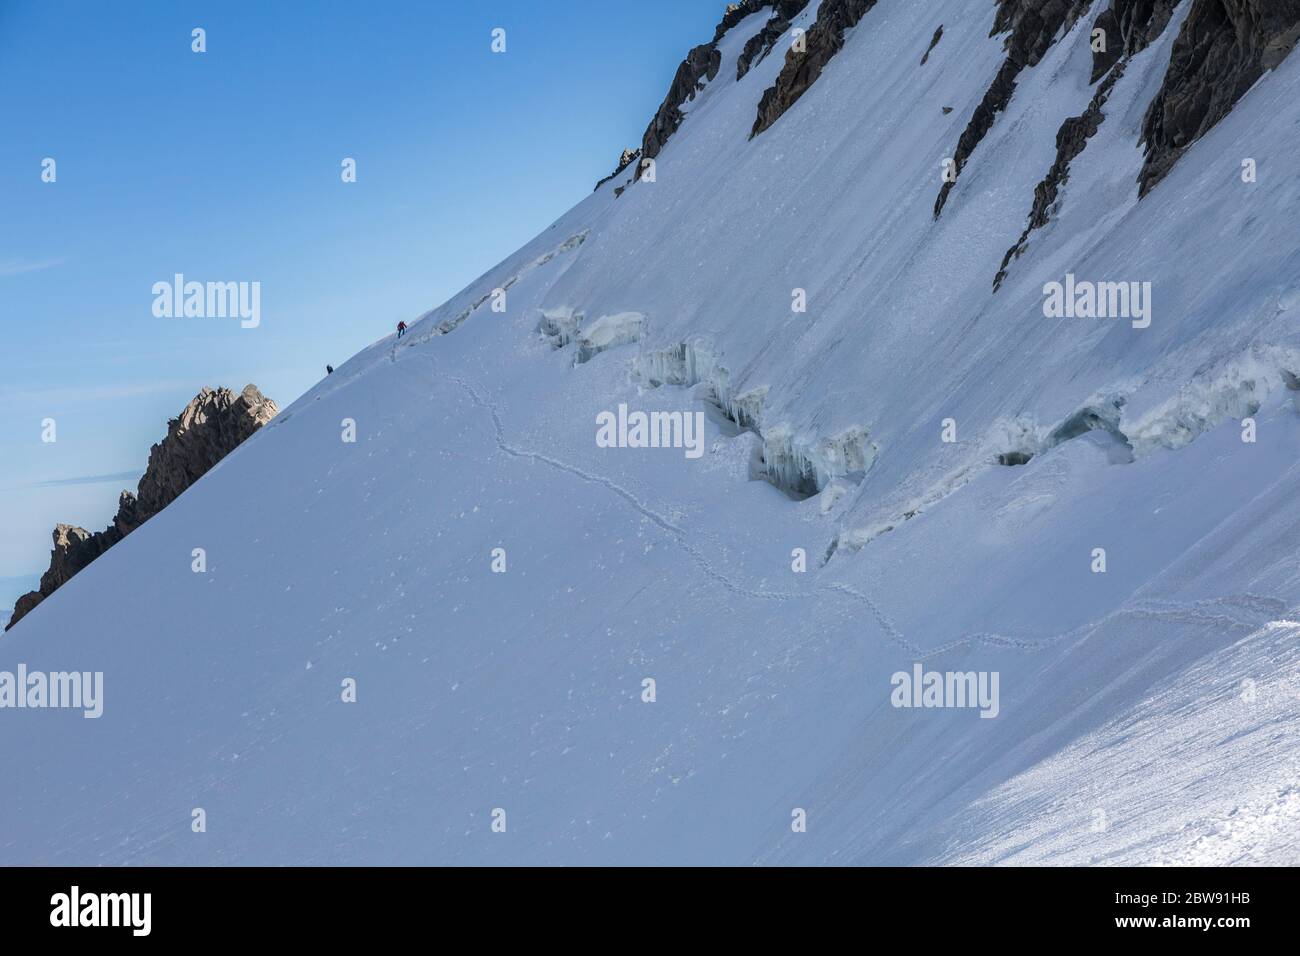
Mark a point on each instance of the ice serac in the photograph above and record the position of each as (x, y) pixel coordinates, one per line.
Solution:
(1225, 46)
(211, 426)
(801, 70)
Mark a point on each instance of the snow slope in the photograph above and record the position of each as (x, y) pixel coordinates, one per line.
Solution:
(1147, 714)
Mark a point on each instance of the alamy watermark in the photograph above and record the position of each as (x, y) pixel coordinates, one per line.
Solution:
(212, 300)
(1098, 300)
(74, 690)
(626, 429)
(130, 910)
(922, 688)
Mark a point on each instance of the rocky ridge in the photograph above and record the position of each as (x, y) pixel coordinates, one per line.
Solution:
(211, 426)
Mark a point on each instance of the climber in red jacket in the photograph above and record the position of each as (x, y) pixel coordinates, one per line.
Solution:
(401, 329)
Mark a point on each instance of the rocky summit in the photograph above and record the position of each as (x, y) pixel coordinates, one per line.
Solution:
(213, 424)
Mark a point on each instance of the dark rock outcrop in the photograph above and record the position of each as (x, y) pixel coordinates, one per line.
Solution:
(1222, 49)
(1071, 139)
(211, 426)
(934, 42)
(760, 44)
(701, 65)
(735, 12)
(74, 548)
(1130, 27)
(1031, 27)
(801, 70)
(624, 161)
(1111, 51)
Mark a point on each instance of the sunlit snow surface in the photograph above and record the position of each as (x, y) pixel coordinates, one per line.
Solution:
(1147, 714)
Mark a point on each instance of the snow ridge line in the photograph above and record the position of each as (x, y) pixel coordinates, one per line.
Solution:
(447, 326)
(450, 325)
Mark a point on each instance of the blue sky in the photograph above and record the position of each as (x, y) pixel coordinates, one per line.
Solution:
(225, 166)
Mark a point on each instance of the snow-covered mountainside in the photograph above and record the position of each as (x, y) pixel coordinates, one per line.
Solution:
(1101, 515)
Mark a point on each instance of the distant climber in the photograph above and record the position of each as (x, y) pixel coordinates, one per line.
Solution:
(329, 369)
(401, 329)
